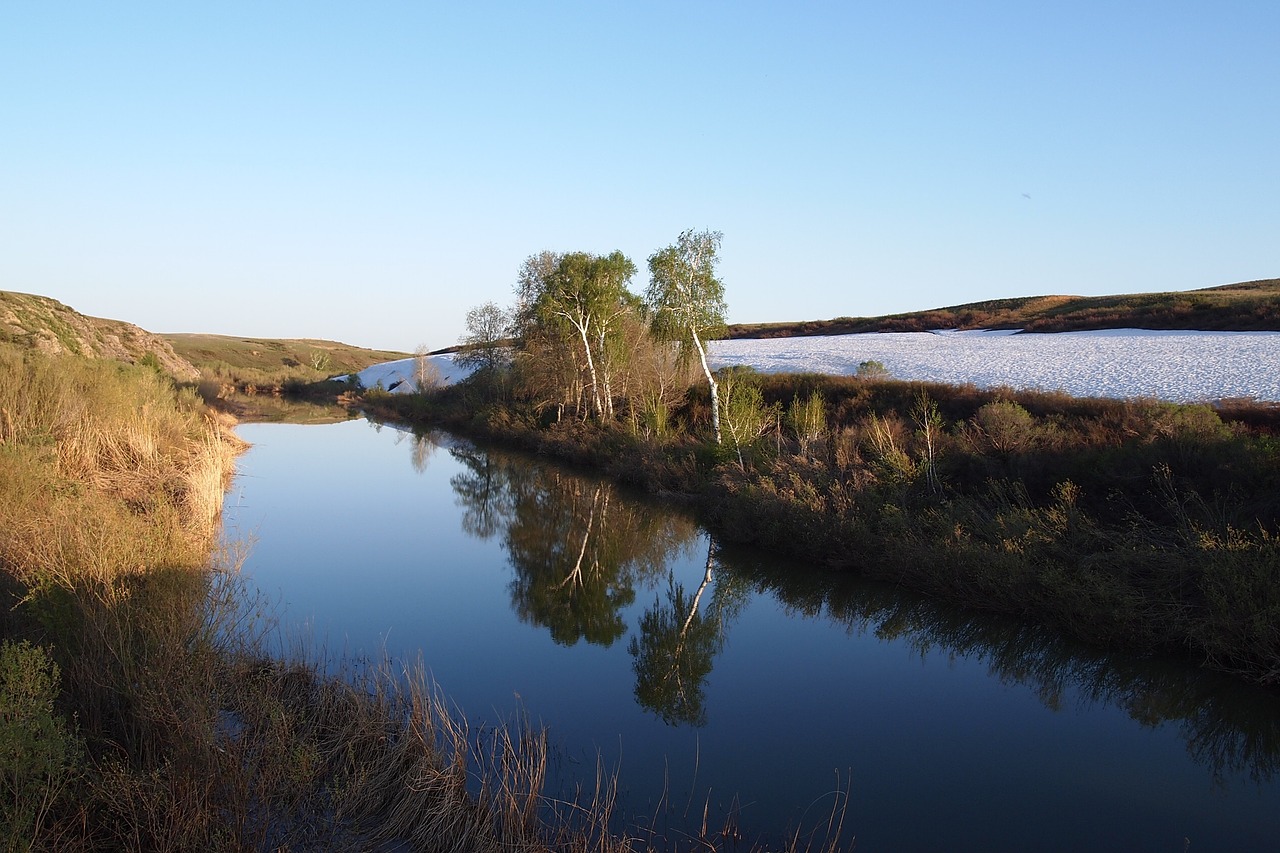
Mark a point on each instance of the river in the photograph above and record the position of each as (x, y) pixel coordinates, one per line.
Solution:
(726, 680)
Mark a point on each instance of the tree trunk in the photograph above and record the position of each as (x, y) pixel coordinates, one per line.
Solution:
(711, 383)
(591, 367)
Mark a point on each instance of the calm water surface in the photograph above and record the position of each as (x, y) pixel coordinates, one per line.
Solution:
(724, 677)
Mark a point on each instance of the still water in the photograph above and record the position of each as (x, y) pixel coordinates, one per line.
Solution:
(720, 678)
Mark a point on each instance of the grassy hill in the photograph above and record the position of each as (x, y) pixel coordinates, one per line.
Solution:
(275, 356)
(45, 324)
(1249, 306)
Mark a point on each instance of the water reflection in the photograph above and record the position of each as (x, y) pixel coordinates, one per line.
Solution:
(673, 653)
(425, 445)
(579, 551)
(1229, 727)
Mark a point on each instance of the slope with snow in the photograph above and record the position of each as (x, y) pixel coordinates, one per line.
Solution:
(1174, 366)
(1177, 366)
(398, 376)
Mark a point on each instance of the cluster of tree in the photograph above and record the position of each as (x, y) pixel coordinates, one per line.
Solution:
(579, 340)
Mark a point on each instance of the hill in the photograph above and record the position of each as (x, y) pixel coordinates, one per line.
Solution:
(47, 325)
(1251, 306)
(277, 355)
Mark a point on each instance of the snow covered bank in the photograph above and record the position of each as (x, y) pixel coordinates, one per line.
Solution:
(1175, 366)
(398, 376)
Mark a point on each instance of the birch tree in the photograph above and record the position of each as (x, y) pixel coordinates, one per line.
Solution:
(687, 301)
(426, 374)
(585, 294)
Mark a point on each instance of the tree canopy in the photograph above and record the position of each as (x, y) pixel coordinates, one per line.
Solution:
(687, 300)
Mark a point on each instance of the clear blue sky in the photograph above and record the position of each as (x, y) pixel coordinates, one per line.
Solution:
(368, 171)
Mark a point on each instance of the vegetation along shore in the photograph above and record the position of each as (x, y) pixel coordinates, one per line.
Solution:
(141, 710)
(142, 704)
(1133, 524)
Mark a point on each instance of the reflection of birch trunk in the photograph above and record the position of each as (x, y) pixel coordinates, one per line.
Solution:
(697, 596)
(575, 576)
(688, 622)
(676, 645)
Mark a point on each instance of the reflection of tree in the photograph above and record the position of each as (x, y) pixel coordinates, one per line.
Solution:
(577, 548)
(578, 551)
(673, 653)
(1228, 726)
(424, 447)
(572, 571)
(481, 490)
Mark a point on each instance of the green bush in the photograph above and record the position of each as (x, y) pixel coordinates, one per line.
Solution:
(872, 370)
(39, 754)
(1004, 427)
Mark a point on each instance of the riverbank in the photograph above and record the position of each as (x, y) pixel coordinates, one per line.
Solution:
(1128, 524)
(140, 708)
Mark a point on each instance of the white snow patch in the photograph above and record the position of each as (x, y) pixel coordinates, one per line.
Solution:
(398, 376)
(1125, 363)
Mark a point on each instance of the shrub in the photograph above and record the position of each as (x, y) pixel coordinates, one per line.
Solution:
(872, 370)
(743, 412)
(807, 419)
(1005, 427)
(39, 753)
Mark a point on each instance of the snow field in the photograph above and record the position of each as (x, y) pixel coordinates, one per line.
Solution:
(1121, 363)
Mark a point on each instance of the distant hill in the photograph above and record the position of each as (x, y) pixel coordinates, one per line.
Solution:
(49, 326)
(1250, 306)
(275, 355)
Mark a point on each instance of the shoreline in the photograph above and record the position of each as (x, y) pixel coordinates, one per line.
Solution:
(1032, 543)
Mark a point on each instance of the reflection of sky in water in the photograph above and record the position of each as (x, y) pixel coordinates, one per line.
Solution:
(357, 536)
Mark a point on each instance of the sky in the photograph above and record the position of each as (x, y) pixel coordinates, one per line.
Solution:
(367, 172)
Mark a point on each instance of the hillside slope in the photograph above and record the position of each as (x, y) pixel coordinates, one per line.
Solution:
(47, 325)
(1250, 306)
(271, 354)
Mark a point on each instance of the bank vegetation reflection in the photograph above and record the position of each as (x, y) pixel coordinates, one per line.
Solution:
(580, 551)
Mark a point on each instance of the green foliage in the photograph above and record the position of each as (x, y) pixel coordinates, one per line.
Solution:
(872, 370)
(743, 412)
(685, 298)
(1003, 426)
(656, 416)
(929, 430)
(807, 419)
(571, 313)
(686, 301)
(39, 753)
(886, 443)
(151, 361)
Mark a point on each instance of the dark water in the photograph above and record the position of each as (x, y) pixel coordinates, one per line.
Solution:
(727, 679)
